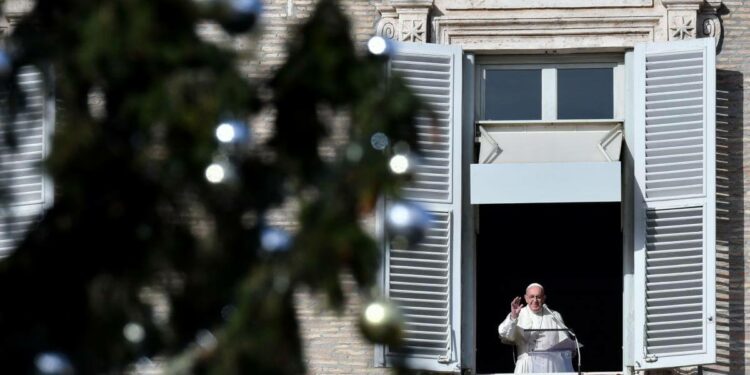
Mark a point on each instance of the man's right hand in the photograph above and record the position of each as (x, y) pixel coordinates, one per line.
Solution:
(515, 308)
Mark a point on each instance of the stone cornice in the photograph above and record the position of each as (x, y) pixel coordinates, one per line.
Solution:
(557, 34)
(544, 25)
(682, 4)
(544, 4)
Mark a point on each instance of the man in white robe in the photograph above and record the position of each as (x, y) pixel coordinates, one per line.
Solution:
(531, 346)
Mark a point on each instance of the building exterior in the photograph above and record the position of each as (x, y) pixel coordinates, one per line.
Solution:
(489, 36)
(664, 144)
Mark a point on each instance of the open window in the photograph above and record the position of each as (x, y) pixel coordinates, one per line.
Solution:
(25, 190)
(663, 98)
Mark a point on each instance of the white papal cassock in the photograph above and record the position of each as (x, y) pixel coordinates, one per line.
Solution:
(531, 347)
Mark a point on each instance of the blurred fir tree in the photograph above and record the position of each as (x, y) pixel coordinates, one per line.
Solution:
(130, 177)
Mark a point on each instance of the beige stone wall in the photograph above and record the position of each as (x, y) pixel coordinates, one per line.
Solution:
(733, 158)
(332, 342)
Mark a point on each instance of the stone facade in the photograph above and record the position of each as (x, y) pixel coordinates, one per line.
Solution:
(332, 342)
(733, 253)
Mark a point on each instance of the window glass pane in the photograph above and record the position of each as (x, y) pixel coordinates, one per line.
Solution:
(584, 93)
(513, 94)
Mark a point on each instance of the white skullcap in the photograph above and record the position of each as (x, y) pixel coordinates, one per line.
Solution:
(535, 285)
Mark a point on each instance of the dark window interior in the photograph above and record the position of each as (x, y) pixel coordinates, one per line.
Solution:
(513, 94)
(584, 93)
(575, 251)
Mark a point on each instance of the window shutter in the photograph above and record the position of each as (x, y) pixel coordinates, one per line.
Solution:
(674, 213)
(424, 280)
(25, 187)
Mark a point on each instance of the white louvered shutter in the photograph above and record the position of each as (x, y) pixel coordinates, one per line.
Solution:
(424, 280)
(674, 214)
(28, 190)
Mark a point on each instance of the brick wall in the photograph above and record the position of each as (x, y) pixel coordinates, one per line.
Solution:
(733, 256)
(332, 342)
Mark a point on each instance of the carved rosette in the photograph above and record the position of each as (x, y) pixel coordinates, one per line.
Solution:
(682, 27)
(682, 18)
(404, 21)
(413, 30)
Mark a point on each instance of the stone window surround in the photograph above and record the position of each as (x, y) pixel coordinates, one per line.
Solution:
(547, 26)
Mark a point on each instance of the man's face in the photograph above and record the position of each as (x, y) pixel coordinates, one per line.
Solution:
(535, 298)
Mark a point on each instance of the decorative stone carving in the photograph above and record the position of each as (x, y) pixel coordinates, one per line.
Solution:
(682, 18)
(413, 30)
(681, 28)
(404, 20)
(387, 26)
(709, 23)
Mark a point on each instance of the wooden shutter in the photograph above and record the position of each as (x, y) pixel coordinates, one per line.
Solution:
(424, 280)
(27, 189)
(674, 213)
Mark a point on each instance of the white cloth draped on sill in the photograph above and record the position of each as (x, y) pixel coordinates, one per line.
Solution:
(531, 346)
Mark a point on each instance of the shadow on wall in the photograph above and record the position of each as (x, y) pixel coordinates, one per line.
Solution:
(730, 224)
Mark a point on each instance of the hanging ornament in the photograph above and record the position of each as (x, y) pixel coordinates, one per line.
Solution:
(134, 333)
(220, 171)
(274, 240)
(6, 63)
(238, 16)
(403, 160)
(379, 141)
(400, 163)
(206, 340)
(380, 322)
(379, 46)
(407, 222)
(354, 152)
(53, 363)
(97, 103)
(232, 131)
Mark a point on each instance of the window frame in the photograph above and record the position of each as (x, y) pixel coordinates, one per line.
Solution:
(549, 66)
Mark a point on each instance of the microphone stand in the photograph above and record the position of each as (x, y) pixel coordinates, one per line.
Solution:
(570, 334)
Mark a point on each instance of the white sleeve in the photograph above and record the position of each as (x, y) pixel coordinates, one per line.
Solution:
(508, 330)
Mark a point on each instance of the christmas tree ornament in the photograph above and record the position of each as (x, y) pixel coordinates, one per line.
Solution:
(275, 240)
(239, 16)
(6, 63)
(97, 103)
(215, 173)
(354, 152)
(399, 163)
(206, 340)
(232, 131)
(220, 171)
(379, 46)
(53, 363)
(407, 221)
(134, 333)
(379, 141)
(380, 322)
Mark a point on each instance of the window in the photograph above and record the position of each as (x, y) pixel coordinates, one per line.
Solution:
(668, 231)
(553, 90)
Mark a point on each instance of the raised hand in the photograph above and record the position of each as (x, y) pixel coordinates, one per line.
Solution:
(515, 307)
